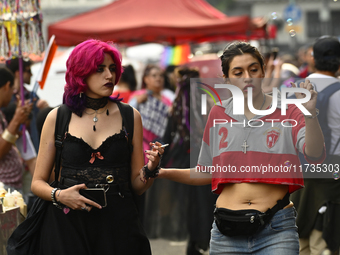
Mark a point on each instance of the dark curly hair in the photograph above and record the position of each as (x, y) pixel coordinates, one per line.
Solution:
(237, 49)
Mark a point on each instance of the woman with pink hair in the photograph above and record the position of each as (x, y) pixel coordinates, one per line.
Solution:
(96, 152)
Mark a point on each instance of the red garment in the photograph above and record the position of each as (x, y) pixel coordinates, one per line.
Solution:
(122, 94)
(304, 72)
(272, 148)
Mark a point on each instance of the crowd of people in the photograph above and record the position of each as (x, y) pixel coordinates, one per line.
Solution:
(114, 138)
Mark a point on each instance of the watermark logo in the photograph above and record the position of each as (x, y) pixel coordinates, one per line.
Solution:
(204, 97)
(238, 99)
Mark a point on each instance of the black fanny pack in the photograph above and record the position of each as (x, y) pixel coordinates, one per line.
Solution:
(245, 222)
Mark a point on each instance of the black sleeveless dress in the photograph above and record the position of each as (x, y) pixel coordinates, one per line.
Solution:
(115, 229)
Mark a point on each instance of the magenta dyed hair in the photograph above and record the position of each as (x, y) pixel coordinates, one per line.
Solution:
(82, 62)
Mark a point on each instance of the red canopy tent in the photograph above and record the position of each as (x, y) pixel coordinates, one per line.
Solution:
(141, 21)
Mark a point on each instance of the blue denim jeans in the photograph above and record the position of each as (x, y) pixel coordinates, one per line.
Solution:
(279, 237)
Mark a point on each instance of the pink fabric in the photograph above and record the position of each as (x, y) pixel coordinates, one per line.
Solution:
(125, 95)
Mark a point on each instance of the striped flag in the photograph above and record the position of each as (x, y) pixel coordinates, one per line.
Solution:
(177, 55)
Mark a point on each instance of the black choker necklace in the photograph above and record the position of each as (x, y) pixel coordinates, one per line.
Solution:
(95, 104)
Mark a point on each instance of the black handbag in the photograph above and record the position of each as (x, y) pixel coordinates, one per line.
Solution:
(25, 238)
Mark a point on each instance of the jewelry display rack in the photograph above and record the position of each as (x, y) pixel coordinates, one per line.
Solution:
(21, 35)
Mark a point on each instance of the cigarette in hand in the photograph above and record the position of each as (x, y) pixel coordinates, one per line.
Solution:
(164, 145)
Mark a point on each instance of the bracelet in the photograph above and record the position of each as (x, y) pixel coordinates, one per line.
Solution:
(312, 117)
(54, 201)
(160, 160)
(58, 195)
(160, 156)
(8, 137)
(150, 174)
(53, 195)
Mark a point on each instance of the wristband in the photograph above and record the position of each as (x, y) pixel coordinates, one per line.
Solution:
(8, 137)
(150, 174)
(312, 117)
(54, 201)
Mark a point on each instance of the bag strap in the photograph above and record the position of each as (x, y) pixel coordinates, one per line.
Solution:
(126, 111)
(63, 118)
(279, 205)
(128, 121)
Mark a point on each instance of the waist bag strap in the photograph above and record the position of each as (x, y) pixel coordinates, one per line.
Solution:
(279, 205)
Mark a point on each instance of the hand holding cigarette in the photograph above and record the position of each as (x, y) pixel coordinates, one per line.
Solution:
(154, 155)
(156, 152)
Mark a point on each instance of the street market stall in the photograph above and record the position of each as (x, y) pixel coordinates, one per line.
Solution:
(21, 35)
(140, 21)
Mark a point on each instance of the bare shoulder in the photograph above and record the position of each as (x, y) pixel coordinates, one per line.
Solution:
(136, 116)
(51, 117)
(53, 112)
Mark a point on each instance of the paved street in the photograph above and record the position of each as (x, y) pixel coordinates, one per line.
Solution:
(166, 247)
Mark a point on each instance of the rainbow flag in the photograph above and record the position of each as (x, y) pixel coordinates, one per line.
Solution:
(177, 55)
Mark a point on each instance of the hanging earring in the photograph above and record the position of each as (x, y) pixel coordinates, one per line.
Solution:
(80, 94)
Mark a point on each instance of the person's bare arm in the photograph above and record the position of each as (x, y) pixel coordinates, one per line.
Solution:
(137, 158)
(188, 176)
(314, 139)
(20, 116)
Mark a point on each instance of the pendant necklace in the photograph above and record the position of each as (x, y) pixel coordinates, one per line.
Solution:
(95, 104)
(245, 145)
(95, 119)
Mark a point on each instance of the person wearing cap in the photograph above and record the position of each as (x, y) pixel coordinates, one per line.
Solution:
(318, 204)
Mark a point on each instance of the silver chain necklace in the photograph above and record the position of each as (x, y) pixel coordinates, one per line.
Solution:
(245, 145)
(95, 119)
